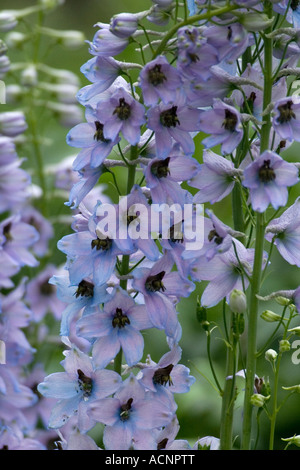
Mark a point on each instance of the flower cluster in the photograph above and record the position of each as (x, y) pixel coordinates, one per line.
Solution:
(205, 116)
(116, 284)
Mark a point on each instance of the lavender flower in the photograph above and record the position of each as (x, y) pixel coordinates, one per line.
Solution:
(225, 273)
(105, 43)
(76, 388)
(15, 315)
(90, 253)
(159, 80)
(12, 123)
(166, 438)
(161, 288)
(102, 72)
(286, 120)
(174, 121)
(164, 175)
(284, 231)
(130, 417)
(268, 178)
(230, 41)
(224, 124)
(215, 179)
(42, 297)
(195, 56)
(167, 374)
(16, 239)
(90, 136)
(82, 297)
(122, 113)
(117, 326)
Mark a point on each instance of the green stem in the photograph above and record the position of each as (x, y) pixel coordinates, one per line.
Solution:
(259, 247)
(275, 408)
(126, 258)
(228, 398)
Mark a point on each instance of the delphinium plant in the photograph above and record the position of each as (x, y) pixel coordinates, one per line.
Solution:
(205, 114)
(32, 92)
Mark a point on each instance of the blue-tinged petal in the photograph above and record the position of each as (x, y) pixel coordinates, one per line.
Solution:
(105, 349)
(58, 385)
(103, 267)
(81, 136)
(105, 383)
(75, 244)
(117, 437)
(132, 343)
(106, 411)
(217, 289)
(62, 411)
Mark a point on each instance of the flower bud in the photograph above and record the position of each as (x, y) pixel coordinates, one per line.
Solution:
(295, 330)
(270, 316)
(271, 355)
(7, 21)
(124, 24)
(293, 440)
(238, 301)
(284, 345)
(282, 300)
(292, 388)
(12, 123)
(29, 77)
(253, 21)
(15, 39)
(70, 39)
(258, 400)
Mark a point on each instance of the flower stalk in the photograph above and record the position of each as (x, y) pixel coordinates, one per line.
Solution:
(259, 249)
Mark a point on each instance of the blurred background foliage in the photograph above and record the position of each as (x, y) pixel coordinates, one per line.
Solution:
(199, 411)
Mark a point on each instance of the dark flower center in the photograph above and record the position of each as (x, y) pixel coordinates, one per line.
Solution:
(230, 121)
(6, 232)
(101, 243)
(168, 118)
(123, 111)
(259, 382)
(154, 283)
(162, 444)
(294, 4)
(125, 410)
(161, 168)
(120, 320)
(156, 76)
(99, 136)
(265, 173)
(286, 112)
(85, 289)
(162, 376)
(214, 236)
(46, 288)
(85, 383)
(229, 33)
(193, 57)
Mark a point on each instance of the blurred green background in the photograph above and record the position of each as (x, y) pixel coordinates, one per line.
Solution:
(199, 411)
